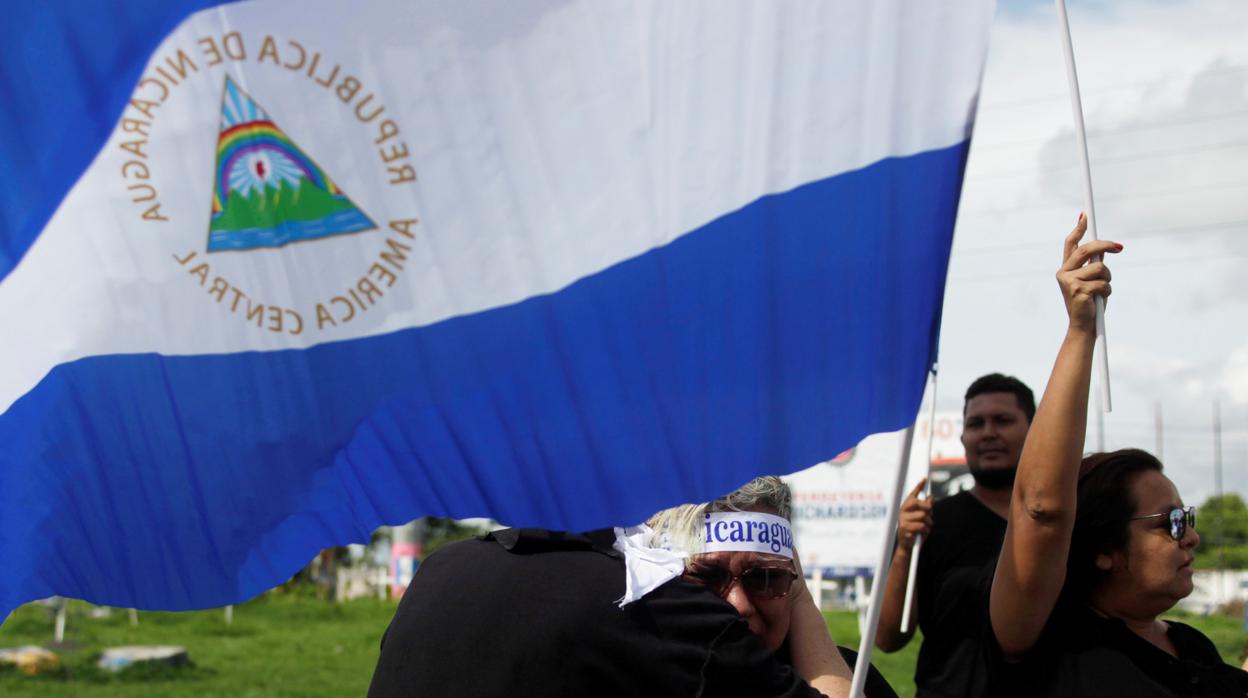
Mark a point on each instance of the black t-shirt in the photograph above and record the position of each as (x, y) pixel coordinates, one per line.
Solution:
(533, 613)
(952, 597)
(1083, 655)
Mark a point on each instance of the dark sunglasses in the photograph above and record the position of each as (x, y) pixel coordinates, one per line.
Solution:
(756, 582)
(1181, 519)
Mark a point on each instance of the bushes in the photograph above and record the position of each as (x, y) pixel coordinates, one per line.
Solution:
(1222, 523)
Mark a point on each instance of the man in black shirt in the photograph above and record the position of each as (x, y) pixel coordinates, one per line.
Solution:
(533, 613)
(961, 539)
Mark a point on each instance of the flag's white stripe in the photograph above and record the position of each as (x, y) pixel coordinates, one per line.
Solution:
(551, 143)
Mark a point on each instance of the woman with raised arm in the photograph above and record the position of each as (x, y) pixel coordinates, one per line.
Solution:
(1095, 548)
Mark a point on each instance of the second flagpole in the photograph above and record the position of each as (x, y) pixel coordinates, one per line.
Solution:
(1089, 206)
(865, 647)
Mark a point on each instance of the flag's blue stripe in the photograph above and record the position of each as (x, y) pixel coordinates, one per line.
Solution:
(66, 70)
(765, 341)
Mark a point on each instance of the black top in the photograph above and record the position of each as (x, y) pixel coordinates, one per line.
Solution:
(533, 613)
(1081, 654)
(952, 597)
(875, 687)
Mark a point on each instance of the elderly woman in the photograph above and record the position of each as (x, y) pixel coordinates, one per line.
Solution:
(740, 547)
(1096, 549)
(530, 612)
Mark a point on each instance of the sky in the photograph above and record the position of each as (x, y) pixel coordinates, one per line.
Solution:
(1165, 97)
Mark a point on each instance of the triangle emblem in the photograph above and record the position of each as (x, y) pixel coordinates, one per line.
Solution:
(266, 191)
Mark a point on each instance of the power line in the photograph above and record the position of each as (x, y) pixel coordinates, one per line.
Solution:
(1128, 235)
(1040, 99)
(1130, 128)
(1183, 431)
(1119, 432)
(1036, 206)
(1113, 160)
(1199, 259)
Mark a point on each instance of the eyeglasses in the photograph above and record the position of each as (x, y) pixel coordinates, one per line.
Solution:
(1181, 519)
(756, 582)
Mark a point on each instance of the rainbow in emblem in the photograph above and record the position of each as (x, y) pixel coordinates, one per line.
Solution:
(266, 191)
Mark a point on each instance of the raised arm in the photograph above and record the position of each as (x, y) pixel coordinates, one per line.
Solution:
(1032, 566)
(915, 519)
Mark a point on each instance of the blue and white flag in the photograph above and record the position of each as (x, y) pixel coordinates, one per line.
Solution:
(273, 273)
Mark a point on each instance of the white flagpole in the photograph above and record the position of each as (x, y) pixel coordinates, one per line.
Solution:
(881, 570)
(1089, 208)
(927, 494)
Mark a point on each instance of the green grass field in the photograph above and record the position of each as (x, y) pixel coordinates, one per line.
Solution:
(290, 646)
(276, 646)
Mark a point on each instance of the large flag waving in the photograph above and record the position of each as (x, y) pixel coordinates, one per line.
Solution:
(297, 270)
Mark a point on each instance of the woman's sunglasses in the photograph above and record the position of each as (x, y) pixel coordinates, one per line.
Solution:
(756, 582)
(1181, 519)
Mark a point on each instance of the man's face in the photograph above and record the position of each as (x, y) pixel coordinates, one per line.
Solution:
(993, 433)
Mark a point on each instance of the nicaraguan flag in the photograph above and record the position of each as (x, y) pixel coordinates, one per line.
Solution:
(273, 273)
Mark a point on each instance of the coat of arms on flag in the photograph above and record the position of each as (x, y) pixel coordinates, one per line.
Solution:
(266, 191)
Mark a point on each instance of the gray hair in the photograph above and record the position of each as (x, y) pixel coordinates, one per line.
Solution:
(680, 528)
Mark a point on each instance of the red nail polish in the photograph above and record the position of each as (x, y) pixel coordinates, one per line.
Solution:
(1118, 246)
(1081, 216)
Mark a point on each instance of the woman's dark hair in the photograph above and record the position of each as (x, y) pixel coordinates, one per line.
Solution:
(1104, 507)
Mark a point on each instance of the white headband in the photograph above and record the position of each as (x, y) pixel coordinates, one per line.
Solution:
(747, 531)
(647, 567)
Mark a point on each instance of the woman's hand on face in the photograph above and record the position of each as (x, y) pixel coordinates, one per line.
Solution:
(814, 652)
(799, 591)
(1083, 276)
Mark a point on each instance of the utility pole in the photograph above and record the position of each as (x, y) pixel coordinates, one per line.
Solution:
(1100, 424)
(1157, 431)
(1217, 476)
